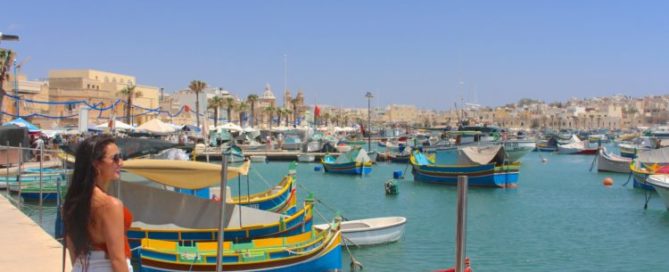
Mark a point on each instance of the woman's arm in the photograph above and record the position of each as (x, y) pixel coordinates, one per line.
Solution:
(111, 219)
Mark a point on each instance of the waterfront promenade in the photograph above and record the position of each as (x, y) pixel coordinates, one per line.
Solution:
(25, 245)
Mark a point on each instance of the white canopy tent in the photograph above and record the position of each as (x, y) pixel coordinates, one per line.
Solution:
(229, 127)
(156, 126)
(117, 124)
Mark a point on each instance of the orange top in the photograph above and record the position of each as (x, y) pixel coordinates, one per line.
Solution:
(127, 220)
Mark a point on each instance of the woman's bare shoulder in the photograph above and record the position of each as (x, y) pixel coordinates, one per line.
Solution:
(104, 201)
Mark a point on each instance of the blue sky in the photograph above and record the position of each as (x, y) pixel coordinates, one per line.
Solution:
(427, 53)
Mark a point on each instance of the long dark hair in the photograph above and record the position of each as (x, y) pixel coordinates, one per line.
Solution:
(77, 206)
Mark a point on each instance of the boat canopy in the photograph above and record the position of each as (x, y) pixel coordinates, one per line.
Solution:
(355, 155)
(183, 211)
(654, 156)
(183, 174)
(481, 154)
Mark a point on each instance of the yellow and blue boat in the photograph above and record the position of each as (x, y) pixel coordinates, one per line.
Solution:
(310, 251)
(484, 174)
(354, 162)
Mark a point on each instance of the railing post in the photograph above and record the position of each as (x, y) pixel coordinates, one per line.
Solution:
(461, 224)
(18, 172)
(41, 185)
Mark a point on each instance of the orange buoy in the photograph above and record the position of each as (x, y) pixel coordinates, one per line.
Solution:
(607, 181)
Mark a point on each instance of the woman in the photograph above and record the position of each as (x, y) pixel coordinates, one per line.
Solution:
(95, 222)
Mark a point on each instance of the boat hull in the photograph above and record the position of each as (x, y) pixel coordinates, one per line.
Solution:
(661, 184)
(327, 258)
(479, 175)
(373, 231)
(607, 162)
(352, 168)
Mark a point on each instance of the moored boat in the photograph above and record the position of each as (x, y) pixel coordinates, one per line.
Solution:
(482, 171)
(371, 231)
(609, 162)
(649, 163)
(306, 157)
(354, 162)
(310, 251)
(661, 185)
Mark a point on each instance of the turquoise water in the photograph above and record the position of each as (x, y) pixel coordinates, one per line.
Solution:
(560, 218)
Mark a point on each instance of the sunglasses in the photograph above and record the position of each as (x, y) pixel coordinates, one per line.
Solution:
(116, 158)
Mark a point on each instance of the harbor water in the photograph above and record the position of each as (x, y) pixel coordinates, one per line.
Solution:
(560, 218)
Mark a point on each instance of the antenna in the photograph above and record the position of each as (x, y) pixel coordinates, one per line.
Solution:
(285, 72)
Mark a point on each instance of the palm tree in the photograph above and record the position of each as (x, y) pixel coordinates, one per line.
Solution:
(326, 117)
(197, 86)
(287, 113)
(252, 99)
(5, 57)
(129, 92)
(270, 111)
(242, 107)
(229, 104)
(215, 103)
(293, 102)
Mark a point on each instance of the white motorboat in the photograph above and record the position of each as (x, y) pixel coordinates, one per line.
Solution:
(371, 231)
(609, 162)
(661, 184)
(305, 157)
(258, 158)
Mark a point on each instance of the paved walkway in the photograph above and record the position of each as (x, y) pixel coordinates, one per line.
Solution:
(24, 245)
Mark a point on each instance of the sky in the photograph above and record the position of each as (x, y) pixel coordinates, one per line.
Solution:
(431, 54)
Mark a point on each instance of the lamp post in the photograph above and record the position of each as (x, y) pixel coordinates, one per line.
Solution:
(369, 120)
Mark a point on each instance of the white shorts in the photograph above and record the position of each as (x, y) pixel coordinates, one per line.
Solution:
(97, 262)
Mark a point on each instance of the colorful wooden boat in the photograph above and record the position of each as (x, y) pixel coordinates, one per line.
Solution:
(661, 184)
(609, 162)
(310, 251)
(26, 179)
(647, 163)
(485, 175)
(48, 192)
(199, 175)
(354, 162)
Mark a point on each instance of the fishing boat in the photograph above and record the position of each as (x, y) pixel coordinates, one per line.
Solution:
(258, 158)
(176, 174)
(661, 184)
(354, 162)
(48, 192)
(648, 163)
(609, 162)
(371, 231)
(26, 179)
(516, 149)
(311, 251)
(292, 142)
(235, 154)
(306, 157)
(483, 169)
(576, 148)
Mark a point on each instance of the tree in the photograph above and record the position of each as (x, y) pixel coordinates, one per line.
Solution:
(287, 113)
(197, 86)
(326, 117)
(270, 111)
(5, 57)
(293, 102)
(215, 103)
(252, 99)
(129, 92)
(242, 107)
(229, 104)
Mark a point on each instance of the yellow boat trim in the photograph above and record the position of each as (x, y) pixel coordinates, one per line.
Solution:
(285, 184)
